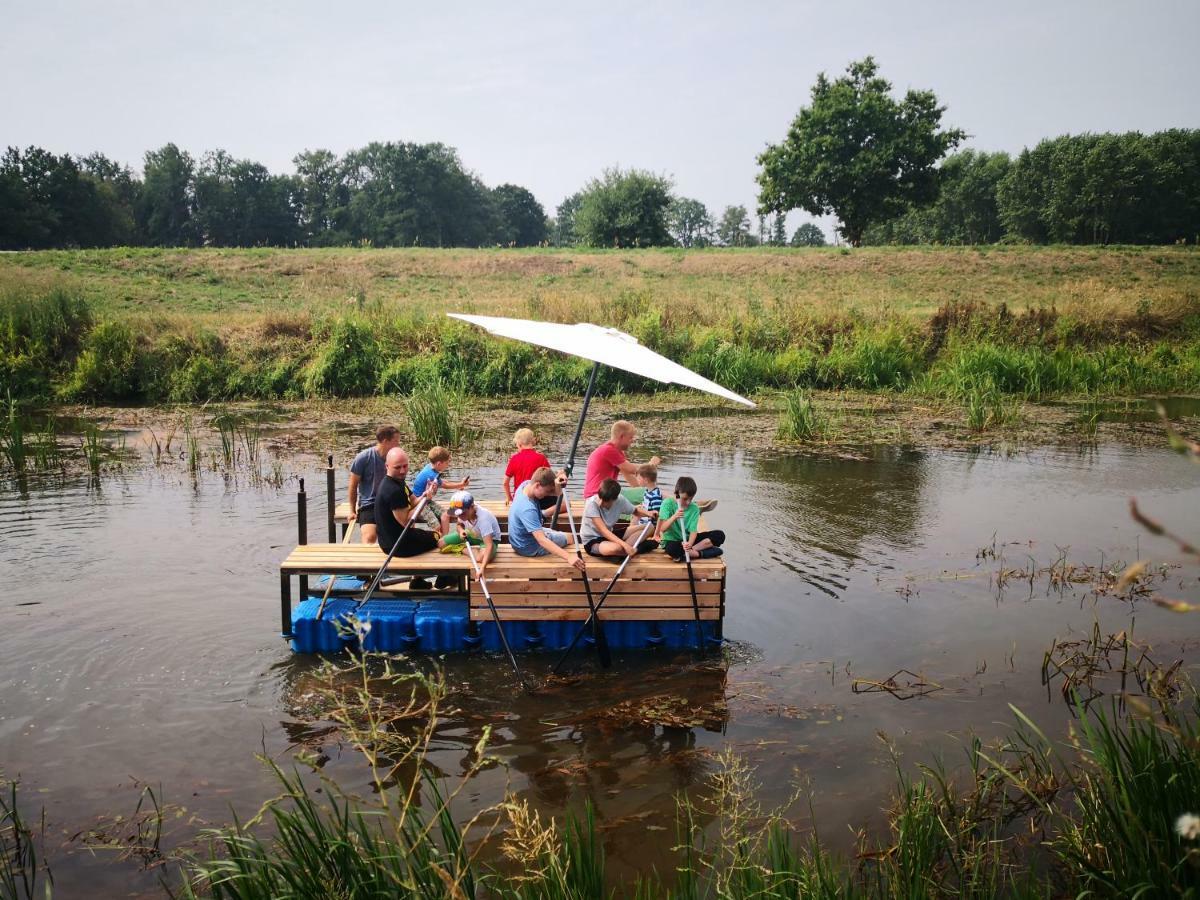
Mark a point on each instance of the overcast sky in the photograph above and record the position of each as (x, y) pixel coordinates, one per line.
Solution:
(546, 96)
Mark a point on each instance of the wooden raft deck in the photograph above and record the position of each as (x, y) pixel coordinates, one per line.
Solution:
(653, 587)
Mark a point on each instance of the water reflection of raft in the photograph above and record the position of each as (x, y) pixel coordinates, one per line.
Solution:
(541, 601)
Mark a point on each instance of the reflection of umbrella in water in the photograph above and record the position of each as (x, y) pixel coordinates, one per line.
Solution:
(603, 346)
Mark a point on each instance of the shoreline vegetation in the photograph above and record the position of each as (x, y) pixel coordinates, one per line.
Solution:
(1107, 811)
(977, 326)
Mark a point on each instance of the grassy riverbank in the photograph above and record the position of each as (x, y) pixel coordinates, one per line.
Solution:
(135, 325)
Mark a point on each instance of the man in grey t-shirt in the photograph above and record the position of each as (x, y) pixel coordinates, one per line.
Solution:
(601, 513)
(366, 474)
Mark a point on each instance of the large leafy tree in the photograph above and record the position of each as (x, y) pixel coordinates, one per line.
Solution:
(563, 232)
(522, 220)
(856, 152)
(690, 222)
(165, 208)
(323, 197)
(808, 235)
(418, 194)
(965, 211)
(733, 230)
(624, 209)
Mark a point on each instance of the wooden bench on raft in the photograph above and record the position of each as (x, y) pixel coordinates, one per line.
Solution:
(652, 587)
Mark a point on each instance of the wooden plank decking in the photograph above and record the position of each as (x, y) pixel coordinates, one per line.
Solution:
(652, 586)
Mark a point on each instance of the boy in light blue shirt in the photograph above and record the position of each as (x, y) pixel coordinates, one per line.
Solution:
(527, 532)
(439, 461)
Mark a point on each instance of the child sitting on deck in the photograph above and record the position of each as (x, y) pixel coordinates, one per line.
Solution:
(523, 463)
(601, 513)
(434, 472)
(652, 497)
(467, 521)
(698, 544)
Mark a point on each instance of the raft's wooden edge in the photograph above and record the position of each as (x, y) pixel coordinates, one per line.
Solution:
(480, 614)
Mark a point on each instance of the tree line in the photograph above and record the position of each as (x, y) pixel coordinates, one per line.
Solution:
(385, 194)
(878, 163)
(1078, 189)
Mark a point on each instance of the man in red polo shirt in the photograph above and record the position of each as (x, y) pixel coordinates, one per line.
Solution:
(609, 460)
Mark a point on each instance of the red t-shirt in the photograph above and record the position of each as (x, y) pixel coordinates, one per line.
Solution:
(605, 462)
(523, 463)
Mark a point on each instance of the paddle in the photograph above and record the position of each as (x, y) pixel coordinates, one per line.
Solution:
(412, 517)
(597, 626)
(333, 576)
(692, 582)
(603, 597)
(487, 595)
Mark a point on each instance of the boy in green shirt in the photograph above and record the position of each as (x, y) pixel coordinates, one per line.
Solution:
(683, 537)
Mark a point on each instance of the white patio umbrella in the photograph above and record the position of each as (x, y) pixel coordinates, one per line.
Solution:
(603, 346)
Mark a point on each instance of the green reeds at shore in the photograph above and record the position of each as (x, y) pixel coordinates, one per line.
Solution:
(52, 347)
(1109, 813)
(20, 865)
(436, 412)
(800, 420)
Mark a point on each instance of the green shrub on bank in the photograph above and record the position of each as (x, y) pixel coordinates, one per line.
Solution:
(49, 346)
(108, 368)
(348, 363)
(40, 334)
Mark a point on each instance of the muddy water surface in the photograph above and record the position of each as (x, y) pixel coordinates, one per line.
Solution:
(140, 644)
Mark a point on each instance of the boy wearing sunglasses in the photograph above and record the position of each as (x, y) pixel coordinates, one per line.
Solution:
(680, 514)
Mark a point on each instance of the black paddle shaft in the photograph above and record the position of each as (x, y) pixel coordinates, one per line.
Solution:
(487, 595)
(599, 603)
(692, 583)
(412, 517)
(597, 626)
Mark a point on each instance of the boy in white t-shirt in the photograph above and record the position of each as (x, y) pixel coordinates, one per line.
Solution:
(478, 525)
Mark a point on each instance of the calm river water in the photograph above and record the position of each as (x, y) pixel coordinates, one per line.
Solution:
(140, 640)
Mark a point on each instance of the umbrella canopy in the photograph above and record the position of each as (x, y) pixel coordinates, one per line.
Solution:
(605, 346)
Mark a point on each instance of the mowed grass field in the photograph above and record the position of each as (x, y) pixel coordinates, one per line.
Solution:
(146, 325)
(704, 285)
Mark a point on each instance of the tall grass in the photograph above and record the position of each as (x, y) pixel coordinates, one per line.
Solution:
(12, 437)
(58, 350)
(20, 866)
(1026, 817)
(800, 420)
(436, 412)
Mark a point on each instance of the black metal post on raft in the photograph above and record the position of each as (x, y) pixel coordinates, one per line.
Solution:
(330, 500)
(302, 529)
(285, 605)
(587, 400)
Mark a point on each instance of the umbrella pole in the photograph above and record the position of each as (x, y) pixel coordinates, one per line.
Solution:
(587, 400)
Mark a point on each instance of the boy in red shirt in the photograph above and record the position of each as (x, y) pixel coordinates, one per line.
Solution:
(523, 463)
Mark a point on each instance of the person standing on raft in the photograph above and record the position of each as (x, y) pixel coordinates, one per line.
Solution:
(367, 473)
(609, 460)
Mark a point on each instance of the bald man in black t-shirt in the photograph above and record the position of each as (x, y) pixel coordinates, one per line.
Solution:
(393, 505)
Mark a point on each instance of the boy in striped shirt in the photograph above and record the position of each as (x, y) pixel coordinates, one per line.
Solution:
(647, 476)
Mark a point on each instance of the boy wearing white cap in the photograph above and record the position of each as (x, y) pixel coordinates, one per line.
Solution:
(478, 526)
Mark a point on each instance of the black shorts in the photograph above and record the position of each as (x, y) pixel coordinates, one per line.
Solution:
(590, 548)
(366, 515)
